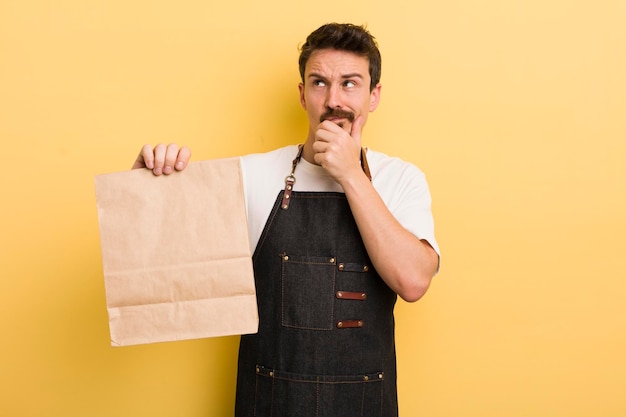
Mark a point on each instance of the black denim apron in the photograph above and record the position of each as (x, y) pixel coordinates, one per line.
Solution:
(325, 345)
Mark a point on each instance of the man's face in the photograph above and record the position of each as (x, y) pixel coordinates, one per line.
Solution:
(336, 87)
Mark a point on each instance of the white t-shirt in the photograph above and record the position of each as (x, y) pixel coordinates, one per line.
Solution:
(401, 185)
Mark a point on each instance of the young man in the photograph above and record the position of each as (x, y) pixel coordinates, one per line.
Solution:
(332, 249)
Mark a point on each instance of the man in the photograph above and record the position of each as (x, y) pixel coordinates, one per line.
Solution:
(332, 249)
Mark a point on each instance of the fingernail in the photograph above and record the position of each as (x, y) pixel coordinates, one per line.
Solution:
(179, 165)
(158, 171)
(167, 169)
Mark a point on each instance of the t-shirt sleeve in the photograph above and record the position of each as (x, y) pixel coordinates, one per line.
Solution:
(405, 191)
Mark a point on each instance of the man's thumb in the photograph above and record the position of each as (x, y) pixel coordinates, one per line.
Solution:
(357, 127)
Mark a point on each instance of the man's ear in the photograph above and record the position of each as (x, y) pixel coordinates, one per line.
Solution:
(375, 97)
(302, 99)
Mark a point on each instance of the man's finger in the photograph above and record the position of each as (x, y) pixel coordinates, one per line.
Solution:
(145, 159)
(159, 158)
(171, 155)
(327, 130)
(184, 155)
(357, 127)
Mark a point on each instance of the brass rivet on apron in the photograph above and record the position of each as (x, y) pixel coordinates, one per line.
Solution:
(380, 376)
(340, 324)
(285, 258)
(285, 206)
(366, 268)
(341, 267)
(363, 296)
(360, 323)
(272, 373)
(366, 378)
(339, 294)
(257, 370)
(332, 260)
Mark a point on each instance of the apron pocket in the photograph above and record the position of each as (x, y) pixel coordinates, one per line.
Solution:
(289, 394)
(308, 288)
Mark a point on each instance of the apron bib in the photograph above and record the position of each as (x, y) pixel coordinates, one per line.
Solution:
(325, 345)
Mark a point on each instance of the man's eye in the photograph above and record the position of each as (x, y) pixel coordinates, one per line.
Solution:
(349, 84)
(318, 83)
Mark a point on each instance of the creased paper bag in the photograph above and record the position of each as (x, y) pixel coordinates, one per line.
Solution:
(176, 255)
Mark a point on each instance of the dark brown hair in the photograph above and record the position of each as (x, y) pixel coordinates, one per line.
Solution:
(343, 37)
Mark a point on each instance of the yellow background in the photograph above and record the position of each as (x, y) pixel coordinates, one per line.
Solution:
(516, 110)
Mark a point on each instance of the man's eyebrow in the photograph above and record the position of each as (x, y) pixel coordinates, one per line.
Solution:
(345, 76)
(316, 75)
(352, 75)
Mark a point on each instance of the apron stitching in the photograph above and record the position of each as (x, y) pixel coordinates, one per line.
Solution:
(317, 399)
(264, 235)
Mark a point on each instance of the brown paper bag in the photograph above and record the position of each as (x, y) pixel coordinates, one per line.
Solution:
(176, 255)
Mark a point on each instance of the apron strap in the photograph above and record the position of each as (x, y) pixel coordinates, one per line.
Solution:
(290, 179)
(364, 164)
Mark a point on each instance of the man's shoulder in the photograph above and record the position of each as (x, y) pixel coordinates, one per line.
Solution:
(267, 169)
(276, 156)
(385, 165)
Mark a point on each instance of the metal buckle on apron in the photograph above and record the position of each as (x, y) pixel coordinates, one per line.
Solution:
(290, 179)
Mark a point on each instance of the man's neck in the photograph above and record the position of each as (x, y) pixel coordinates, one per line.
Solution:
(307, 152)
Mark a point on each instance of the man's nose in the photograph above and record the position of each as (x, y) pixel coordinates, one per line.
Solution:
(333, 97)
